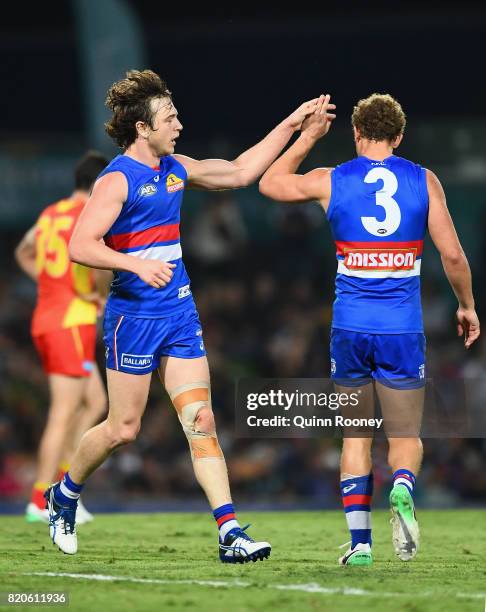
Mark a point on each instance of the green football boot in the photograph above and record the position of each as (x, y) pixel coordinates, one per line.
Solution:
(359, 555)
(405, 529)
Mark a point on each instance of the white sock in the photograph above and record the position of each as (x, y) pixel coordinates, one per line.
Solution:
(227, 527)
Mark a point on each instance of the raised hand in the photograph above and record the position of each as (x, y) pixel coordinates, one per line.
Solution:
(297, 117)
(319, 122)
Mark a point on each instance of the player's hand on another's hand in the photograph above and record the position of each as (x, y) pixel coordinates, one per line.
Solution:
(467, 325)
(297, 117)
(155, 273)
(319, 122)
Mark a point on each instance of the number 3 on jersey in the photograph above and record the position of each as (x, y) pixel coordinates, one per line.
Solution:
(52, 250)
(384, 198)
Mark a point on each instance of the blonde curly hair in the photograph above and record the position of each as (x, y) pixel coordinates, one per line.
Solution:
(379, 117)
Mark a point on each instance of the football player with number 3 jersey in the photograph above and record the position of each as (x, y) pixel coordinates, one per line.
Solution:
(379, 207)
(64, 332)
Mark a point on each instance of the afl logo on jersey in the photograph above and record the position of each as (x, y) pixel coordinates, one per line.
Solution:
(174, 183)
(147, 190)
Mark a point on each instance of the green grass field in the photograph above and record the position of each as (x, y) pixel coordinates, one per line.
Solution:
(177, 550)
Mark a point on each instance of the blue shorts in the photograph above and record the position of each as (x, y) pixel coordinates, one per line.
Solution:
(135, 345)
(395, 360)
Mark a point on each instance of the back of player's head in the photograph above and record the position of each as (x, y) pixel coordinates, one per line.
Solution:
(87, 170)
(129, 100)
(379, 117)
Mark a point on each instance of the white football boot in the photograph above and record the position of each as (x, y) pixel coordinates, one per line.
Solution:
(238, 547)
(62, 523)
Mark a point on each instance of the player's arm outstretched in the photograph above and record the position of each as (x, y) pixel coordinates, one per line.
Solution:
(100, 212)
(214, 174)
(280, 182)
(454, 261)
(25, 254)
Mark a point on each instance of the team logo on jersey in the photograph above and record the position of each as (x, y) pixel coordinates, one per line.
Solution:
(333, 366)
(380, 259)
(422, 371)
(147, 190)
(174, 183)
(184, 291)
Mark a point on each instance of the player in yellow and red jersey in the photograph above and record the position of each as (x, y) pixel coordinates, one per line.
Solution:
(64, 331)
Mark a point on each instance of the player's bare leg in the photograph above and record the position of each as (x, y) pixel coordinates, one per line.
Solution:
(357, 481)
(356, 457)
(402, 413)
(128, 395)
(188, 385)
(66, 393)
(209, 464)
(91, 411)
(127, 400)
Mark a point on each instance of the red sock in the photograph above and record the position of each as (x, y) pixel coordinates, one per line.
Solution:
(63, 468)
(37, 497)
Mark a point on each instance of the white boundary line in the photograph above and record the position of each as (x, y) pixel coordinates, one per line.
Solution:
(312, 587)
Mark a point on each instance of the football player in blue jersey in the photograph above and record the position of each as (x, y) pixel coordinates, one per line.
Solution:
(131, 225)
(379, 207)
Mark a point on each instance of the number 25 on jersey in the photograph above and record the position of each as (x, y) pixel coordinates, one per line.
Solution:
(52, 249)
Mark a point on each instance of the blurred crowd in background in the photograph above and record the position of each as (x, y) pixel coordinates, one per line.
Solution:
(263, 279)
(262, 273)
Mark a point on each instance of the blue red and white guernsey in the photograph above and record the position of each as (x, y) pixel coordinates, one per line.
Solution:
(148, 227)
(378, 217)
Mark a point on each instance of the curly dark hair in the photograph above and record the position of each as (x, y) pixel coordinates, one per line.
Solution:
(129, 100)
(379, 117)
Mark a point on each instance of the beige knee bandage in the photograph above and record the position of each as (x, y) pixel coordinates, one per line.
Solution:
(188, 400)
